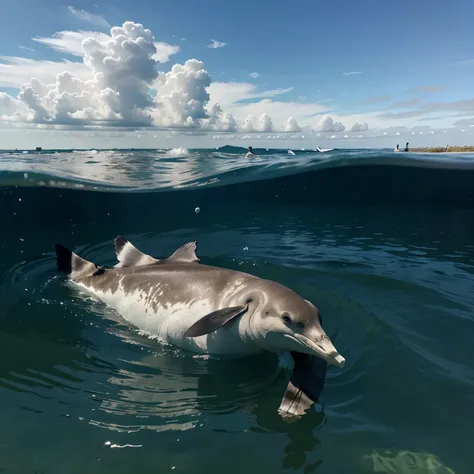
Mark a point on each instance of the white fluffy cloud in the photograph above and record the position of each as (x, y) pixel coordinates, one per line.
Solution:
(11, 107)
(182, 95)
(121, 70)
(118, 84)
(327, 124)
(235, 97)
(292, 125)
(219, 120)
(360, 127)
(263, 124)
(248, 125)
(266, 124)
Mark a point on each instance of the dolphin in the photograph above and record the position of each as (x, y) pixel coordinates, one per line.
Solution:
(212, 310)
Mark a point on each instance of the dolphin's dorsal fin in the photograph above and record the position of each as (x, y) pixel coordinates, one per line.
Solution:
(129, 256)
(185, 254)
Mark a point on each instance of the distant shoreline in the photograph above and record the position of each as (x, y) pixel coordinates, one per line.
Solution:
(451, 149)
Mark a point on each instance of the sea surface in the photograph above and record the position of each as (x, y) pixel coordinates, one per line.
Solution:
(381, 242)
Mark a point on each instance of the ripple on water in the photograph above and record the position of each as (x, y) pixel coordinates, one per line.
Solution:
(399, 310)
(71, 351)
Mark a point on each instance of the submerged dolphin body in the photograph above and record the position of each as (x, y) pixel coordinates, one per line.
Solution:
(212, 310)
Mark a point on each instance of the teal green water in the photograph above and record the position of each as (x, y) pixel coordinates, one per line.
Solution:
(83, 391)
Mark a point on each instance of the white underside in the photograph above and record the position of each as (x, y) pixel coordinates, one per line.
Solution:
(169, 322)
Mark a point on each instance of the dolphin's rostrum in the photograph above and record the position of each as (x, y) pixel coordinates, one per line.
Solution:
(212, 310)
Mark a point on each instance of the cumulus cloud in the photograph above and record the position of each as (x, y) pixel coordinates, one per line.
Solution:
(121, 71)
(219, 120)
(254, 75)
(242, 100)
(9, 107)
(117, 83)
(248, 124)
(251, 124)
(216, 44)
(292, 125)
(71, 42)
(91, 18)
(182, 95)
(359, 127)
(266, 124)
(352, 73)
(327, 124)
(277, 110)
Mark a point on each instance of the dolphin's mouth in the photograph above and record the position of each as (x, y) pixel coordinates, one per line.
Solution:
(323, 349)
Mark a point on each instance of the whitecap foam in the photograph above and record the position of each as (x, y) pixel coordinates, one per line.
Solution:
(180, 151)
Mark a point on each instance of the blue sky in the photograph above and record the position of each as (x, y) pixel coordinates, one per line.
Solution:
(386, 66)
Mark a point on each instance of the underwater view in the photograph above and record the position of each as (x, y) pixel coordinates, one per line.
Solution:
(382, 243)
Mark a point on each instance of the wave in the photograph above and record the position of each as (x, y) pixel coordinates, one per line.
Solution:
(336, 175)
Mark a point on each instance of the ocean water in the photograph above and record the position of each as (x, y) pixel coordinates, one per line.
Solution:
(382, 242)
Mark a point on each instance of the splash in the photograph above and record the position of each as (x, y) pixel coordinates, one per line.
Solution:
(181, 151)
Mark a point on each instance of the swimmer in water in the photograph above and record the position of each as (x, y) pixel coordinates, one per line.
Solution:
(397, 148)
(249, 153)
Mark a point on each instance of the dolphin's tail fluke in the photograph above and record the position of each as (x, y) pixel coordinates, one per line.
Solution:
(74, 266)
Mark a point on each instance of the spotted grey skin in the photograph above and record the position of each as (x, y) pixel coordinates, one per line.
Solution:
(212, 310)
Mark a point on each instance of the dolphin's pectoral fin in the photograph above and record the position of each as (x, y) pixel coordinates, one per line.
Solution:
(74, 266)
(214, 321)
(186, 253)
(129, 256)
(305, 385)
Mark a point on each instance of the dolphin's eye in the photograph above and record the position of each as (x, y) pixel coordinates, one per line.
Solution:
(286, 318)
